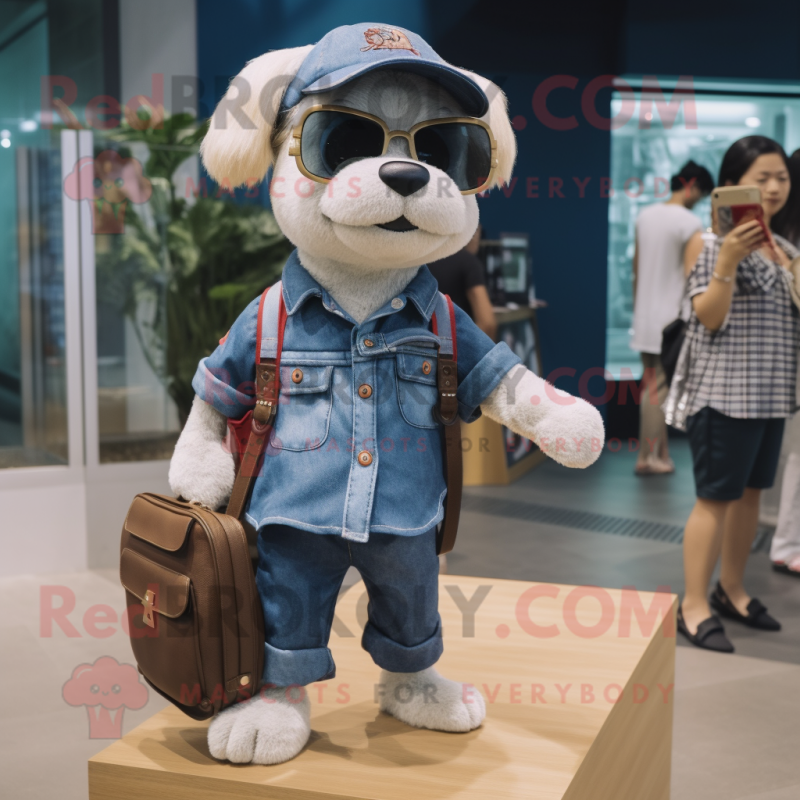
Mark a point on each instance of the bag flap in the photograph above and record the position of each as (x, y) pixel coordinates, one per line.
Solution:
(140, 575)
(161, 526)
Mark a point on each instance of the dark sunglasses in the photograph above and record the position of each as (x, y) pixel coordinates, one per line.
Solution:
(328, 138)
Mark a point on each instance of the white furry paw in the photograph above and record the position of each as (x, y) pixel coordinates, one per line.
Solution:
(566, 428)
(202, 468)
(427, 700)
(572, 435)
(269, 728)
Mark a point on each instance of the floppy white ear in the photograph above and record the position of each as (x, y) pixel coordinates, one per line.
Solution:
(497, 117)
(237, 147)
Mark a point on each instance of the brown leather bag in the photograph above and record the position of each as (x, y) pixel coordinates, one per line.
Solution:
(194, 614)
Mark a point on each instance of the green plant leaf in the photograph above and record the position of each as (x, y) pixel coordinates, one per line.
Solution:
(183, 271)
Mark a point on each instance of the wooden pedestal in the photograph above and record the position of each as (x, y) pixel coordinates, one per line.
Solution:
(550, 660)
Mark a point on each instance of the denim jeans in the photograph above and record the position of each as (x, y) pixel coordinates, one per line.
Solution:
(299, 576)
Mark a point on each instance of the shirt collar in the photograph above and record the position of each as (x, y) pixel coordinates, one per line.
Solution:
(299, 285)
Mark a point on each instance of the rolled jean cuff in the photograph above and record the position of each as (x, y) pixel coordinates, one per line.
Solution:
(394, 657)
(297, 667)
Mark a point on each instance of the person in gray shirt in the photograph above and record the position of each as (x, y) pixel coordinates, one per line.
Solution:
(661, 260)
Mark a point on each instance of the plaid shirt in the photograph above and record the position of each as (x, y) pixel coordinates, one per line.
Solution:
(746, 369)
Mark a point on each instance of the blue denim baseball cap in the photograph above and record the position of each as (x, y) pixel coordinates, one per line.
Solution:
(349, 51)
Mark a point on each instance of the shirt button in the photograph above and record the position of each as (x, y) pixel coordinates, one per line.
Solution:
(365, 390)
(369, 343)
(397, 303)
(426, 367)
(365, 458)
(297, 375)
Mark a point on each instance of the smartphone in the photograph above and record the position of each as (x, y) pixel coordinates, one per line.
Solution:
(732, 206)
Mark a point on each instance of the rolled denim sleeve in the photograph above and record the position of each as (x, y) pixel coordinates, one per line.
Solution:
(482, 364)
(226, 378)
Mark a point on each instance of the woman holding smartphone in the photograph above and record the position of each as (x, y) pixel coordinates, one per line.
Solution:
(733, 390)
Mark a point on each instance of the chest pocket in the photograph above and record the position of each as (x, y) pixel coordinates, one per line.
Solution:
(416, 387)
(304, 409)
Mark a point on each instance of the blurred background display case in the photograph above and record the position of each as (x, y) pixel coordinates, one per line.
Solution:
(494, 454)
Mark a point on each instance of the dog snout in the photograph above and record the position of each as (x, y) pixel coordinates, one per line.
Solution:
(404, 177)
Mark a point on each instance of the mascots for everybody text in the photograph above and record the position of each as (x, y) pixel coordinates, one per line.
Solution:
(378, 148)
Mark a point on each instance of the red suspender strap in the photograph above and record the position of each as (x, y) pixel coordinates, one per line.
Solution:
(268, 353)
(281, 329)
(452, 311)
(260, 323)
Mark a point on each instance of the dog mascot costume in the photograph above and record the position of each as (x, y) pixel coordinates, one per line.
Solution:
(378, 148)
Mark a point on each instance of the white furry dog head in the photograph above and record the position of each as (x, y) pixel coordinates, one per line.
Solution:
(343, 221)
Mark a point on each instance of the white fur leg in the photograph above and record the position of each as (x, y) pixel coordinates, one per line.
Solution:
(269, 728)
(427, 700)
(202, 469)
(566, 428)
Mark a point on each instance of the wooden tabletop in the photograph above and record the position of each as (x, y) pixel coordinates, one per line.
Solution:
(552, 729)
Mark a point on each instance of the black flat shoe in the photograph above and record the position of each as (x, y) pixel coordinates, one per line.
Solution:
(756, 616)
(710, 634)
(785, 569)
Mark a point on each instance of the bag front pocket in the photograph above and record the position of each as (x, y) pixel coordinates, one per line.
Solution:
(416, 388)
(304, 409)
(163, 626)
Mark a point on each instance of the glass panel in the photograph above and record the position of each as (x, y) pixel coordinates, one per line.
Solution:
(642, 162)
(175, 265)
(138, 419)
(33, 427)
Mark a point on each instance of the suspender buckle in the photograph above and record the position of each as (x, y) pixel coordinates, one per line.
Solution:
(451, 418)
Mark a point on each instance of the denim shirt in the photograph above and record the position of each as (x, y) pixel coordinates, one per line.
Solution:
(312, 477)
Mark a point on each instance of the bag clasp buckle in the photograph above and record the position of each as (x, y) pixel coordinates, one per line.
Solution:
(149, 602)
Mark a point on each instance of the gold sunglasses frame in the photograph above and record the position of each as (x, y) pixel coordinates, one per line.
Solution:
(388, 135)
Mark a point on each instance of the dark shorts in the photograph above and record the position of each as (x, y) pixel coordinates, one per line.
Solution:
(731, 454)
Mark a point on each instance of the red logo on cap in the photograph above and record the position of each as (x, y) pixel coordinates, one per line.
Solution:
(387, 39)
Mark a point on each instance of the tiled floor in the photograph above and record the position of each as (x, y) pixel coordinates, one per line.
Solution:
(736, 732)
(504, 547)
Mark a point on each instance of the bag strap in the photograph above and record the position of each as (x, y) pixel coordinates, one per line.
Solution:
(446, 412)
(269, 343)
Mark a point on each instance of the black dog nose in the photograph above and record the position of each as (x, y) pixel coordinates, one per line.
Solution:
(404, 177)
